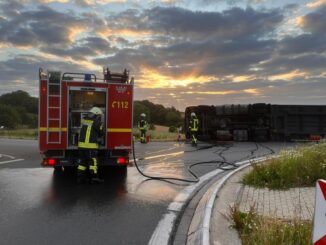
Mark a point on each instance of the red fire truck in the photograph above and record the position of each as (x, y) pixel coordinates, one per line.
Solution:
(65, 98)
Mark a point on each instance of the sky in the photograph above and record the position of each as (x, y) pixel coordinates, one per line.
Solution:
(180, 52)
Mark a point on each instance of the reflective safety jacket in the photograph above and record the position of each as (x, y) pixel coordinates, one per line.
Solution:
(193, 124)
(142, 125)
(90, 130)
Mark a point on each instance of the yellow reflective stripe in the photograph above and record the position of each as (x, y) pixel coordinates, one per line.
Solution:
(88, 133)
(94, 166)
(82, 168)
(44, 129)
(119, 130)
(94, 161)
(85, 121)
(88, 145)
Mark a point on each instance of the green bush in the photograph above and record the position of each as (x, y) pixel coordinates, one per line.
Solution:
(298, 167)
(172, 129)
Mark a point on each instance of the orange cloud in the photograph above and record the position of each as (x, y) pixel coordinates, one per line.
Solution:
(211, 92)
(74, 31)
(151, 78)
(251, 91)
(106, 32)
(103, 2)
(316, 4)
(299, 21)
(288, 76)
(242, 78)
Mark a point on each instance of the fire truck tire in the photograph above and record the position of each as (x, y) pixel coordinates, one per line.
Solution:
(58, 169)
(122, 169)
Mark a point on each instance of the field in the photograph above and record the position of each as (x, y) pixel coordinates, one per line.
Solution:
(19, 133)
(160, 133)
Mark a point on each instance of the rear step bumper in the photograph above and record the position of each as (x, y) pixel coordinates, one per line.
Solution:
(73, 162)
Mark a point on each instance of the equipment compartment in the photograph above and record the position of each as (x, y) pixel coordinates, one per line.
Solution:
(81, 100)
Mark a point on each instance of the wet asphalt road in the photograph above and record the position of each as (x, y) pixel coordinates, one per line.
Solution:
(40, 207)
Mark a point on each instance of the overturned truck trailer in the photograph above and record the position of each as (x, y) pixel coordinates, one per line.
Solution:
(259, 122)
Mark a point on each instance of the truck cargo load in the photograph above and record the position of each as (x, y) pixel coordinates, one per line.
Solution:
(259, 122)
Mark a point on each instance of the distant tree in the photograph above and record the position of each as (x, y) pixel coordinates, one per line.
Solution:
(172, 118)
(151, 126)
(18, 108)
(172, 129)
(10, 118)
(159, 114)
(20, 99)
(139, 108)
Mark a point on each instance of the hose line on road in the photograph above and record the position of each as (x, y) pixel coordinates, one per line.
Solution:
(221, 163)
(163, 178)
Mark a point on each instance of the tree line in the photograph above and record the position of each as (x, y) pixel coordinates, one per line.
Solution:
(157, 114)
(19, 109)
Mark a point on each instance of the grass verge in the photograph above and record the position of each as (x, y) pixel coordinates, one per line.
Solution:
(256, 230)
(158, 135)
(33, 134)
(19, 133)
(298, 167)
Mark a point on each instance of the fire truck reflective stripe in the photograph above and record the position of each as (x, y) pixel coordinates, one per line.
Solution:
(53, 129)
(119, 130)
(82, 168)
(88, 145)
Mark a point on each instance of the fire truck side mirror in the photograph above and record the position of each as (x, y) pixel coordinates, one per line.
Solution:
(132, 80)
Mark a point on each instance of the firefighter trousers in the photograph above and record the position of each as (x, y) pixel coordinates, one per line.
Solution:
(87, 161)
(193, 135)
(143, 136)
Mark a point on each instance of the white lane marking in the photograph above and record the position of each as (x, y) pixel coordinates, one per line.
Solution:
(169, 149)
(206, 219)
(15, 160)
(158, 156)
(11, 157)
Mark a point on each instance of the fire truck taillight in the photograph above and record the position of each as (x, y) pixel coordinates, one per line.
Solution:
(49, 162)
(122, 161)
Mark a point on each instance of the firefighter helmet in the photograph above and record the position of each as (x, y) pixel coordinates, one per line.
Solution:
(193, 114)
(143, 115)
(96, 111)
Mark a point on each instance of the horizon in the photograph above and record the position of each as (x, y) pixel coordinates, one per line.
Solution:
(181, 52)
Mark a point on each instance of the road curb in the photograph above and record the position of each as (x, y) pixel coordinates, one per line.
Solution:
(203, 230)
(163, 231)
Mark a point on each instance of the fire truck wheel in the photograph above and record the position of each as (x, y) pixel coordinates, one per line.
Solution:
(122, 169)
(58, 169)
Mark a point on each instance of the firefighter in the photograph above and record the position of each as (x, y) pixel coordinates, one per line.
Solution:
(142, 126)
(193, 127)
(91, 130)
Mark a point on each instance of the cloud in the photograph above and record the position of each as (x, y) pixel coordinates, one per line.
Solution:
(304, 43)
(314, 22)
(316, 4)
(229, 24)
(89, 46)
(42, 26)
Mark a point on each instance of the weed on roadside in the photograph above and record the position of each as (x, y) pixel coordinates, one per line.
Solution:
(298, 167)
(257, 230)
